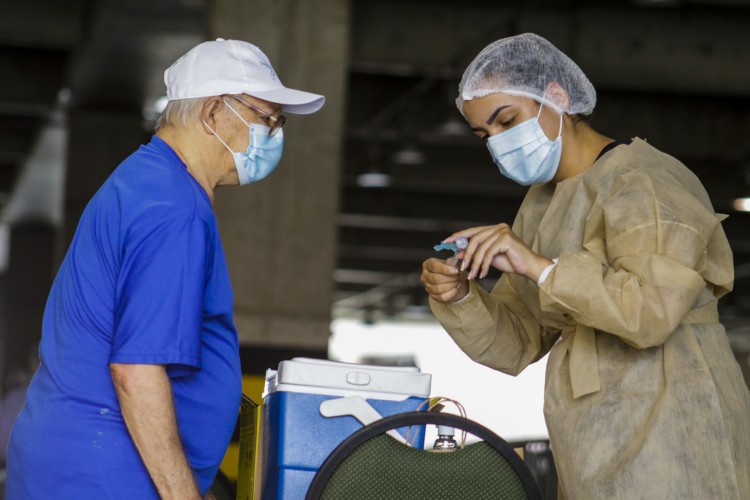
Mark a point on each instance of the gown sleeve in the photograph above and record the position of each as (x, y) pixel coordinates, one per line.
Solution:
(643, 265)
(496, 329)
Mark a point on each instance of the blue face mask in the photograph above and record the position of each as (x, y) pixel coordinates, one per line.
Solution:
(263, 151)
(525, 154)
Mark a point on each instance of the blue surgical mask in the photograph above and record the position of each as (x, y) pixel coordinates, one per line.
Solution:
(263, 151)
(525, 154)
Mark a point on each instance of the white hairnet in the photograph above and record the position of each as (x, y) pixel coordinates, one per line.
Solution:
(525, 65)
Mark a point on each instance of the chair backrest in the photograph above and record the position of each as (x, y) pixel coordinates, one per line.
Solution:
(370, 465)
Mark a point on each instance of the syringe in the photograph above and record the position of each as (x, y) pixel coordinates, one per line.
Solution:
(460, 244)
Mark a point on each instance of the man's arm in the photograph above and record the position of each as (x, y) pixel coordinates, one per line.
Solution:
(145, 395)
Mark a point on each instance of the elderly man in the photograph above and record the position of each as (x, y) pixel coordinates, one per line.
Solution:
(139, 384)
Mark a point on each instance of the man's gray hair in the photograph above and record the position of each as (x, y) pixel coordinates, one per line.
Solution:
(179, 112)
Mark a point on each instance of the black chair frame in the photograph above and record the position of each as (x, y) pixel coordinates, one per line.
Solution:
(407, 419)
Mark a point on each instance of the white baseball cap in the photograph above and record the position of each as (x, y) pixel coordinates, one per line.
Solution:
(234, 67)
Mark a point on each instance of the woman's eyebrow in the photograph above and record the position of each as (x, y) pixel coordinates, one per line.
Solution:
(494, 115)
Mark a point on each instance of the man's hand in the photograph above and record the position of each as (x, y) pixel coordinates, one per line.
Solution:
(145, 395)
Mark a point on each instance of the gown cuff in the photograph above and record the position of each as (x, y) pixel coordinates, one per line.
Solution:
(545, 272)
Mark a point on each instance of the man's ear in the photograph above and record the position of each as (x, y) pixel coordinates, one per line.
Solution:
(558, 95)
(211, 106)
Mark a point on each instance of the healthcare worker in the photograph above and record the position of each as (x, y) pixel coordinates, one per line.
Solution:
(613, 265)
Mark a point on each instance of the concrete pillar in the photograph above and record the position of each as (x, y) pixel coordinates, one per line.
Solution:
(29, 276)
(98, 140)
(279, 235)
(32, 217)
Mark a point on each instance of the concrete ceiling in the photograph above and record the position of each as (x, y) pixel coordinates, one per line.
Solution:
(674, 72)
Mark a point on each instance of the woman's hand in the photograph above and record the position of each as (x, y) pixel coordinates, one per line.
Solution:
(499, 247)
(443, 282)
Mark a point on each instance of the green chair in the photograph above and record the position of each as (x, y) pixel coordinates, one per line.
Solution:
(370, 465)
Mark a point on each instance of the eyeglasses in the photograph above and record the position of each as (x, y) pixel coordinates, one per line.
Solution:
(274, 122)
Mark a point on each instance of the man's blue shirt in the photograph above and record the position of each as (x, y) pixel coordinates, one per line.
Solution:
(144, 281)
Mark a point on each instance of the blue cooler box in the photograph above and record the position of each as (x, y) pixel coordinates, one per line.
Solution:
(297, 438)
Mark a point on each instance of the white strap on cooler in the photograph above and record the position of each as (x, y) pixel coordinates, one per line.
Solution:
(357, 408)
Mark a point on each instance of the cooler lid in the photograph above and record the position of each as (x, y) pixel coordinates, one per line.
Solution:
(352, 376)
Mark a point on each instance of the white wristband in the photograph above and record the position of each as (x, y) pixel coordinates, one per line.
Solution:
(545, 272)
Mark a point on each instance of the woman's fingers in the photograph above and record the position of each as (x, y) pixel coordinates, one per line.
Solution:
(484, 250)
(489, 254)
(474, 243)
(438, 271)
(472, 234)
(466, 233)
(493, 246)
(442, 293)
(441, 281)
(479, 244)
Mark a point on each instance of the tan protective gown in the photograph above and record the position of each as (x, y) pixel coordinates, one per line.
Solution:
(643, 398)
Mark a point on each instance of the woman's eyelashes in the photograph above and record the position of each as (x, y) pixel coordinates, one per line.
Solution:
(505, 122)
(508, 121)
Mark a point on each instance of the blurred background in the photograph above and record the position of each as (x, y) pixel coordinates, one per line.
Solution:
(325, 255)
